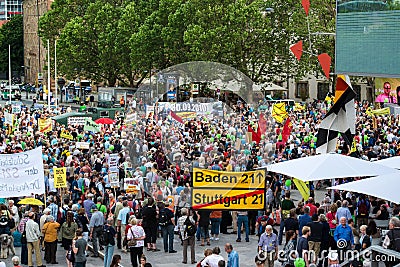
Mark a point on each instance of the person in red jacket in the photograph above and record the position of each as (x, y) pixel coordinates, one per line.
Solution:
(313, 208)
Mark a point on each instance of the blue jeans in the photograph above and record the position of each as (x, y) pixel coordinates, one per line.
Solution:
(243, 219)
(108, 254)
(204, 232)
(215, 222)
(168, 237)
(280, 236)
(198, 233)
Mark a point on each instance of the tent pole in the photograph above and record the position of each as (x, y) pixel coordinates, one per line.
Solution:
(332, 191)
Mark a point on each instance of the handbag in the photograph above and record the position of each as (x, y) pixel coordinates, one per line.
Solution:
(132, 242)
(23, 237)
(70, 255)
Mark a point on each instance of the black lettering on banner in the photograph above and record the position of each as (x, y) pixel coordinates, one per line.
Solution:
(245, 176)
(255, 199)
(198, 177)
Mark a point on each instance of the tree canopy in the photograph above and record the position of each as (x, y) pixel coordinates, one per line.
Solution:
(122, 40)
(11, 33)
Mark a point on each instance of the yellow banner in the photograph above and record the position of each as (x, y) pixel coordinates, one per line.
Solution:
(279, 112)
(65, 134)
(204, 178)
(378, 112)
(45, 125)
(220, 199)
(60, 177)
(303, 188)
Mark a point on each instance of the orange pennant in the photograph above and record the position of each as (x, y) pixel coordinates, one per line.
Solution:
(297, 49)
(325, 61)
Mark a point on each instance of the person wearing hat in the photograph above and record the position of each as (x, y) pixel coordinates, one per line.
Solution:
(96, 224)
(49, 232)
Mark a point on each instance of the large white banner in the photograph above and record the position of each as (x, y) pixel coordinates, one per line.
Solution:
(21, 174)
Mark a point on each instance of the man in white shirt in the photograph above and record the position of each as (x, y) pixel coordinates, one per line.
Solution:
(32, 238)
(213, 259)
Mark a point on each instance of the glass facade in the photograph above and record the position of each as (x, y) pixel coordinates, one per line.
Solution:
(10, 8)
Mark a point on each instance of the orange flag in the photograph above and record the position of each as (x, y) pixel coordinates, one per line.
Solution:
(297, 49)
(325, 61)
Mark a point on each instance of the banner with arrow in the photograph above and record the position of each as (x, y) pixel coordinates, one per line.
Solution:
(228, 190)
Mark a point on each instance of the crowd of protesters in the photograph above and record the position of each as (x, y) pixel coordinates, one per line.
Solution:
(158, 154)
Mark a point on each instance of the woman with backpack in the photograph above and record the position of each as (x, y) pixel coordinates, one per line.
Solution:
(109, 235)
(187, 231)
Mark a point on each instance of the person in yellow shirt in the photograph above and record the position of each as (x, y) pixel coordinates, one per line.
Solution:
(50, 239)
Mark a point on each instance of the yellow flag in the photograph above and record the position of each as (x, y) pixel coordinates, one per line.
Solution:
(279, 112)
(303, 188)
(353, 146)
(298, 107)
(67, 135)
(45, 125)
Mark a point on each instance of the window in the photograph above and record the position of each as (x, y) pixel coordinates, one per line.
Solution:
(357, 90)
(302, 90)
(322, 90)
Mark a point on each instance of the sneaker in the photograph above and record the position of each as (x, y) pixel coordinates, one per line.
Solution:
(238, 240)
(173, 251)
(217, 238)
(211, 238)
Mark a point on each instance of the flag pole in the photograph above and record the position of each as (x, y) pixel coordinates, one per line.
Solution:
(55, 73)
(9, 71)
(48, 74)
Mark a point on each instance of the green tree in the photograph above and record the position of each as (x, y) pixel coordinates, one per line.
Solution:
(11, 33)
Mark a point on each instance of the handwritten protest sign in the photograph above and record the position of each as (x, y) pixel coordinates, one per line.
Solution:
(60, 177)
(21, 174)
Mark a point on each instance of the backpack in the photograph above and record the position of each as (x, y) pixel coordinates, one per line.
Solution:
(363, 208)
(106, 237)
(190, 228)
(394, 236)
(130, 213)
(163, 219)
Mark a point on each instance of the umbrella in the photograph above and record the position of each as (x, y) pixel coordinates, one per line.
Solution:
(104, 121)
(393, 162)
(31, 201)
(383, 187)
(328, 166)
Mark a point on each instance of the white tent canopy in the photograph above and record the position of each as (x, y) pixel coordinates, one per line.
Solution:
(328, 166)
(393, 162)
(384, 187)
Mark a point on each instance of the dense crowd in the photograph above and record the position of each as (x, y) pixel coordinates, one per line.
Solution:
(157, 155)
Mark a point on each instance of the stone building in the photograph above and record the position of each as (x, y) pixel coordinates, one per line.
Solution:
(34, 48)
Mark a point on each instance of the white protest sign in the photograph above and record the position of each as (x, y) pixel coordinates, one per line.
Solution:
(113, 163)
(16, 109)
(82, 145)
(21, 174)
(77, 121)
(8, 118)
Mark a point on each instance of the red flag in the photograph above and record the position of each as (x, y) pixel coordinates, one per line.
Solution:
(262, 124)
(175, 117)
(306, 5)
(287, 129)
(255, 136)
(325, 61)
(297, 49)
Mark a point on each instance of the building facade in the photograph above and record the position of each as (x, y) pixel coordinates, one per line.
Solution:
(35, 50)
(10, 8)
